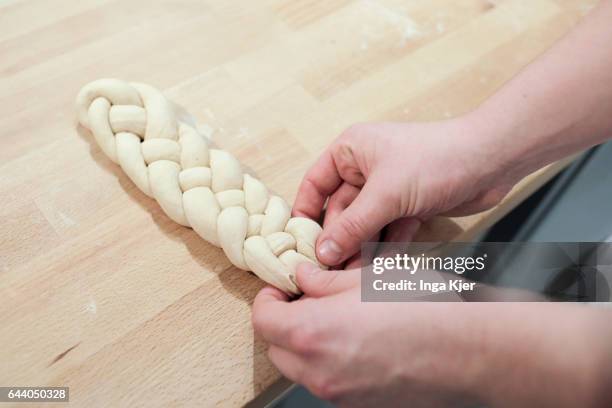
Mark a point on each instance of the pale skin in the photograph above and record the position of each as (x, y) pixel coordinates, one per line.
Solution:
(448, 354)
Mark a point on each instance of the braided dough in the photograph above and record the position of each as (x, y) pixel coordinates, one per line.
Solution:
(196, 186)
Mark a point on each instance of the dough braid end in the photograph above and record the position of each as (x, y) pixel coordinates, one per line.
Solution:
(196, 186)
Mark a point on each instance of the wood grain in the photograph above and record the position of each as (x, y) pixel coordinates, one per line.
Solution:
(99, 291)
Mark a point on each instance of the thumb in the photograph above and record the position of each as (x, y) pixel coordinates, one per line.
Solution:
(317, 282)
(362, 219)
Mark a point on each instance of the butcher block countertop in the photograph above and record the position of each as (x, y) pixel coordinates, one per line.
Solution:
(99, 290)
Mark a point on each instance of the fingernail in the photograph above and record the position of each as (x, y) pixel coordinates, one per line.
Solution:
(330, 253)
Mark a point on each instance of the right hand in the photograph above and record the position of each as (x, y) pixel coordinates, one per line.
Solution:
(398, 174)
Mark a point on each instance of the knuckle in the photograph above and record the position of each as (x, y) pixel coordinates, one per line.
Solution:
(258, 322)
(344, 196)
(389, 197)
(311, 183)
(493, 198)
(323, 387)
(354, 226)
(499, 195)
(353, 135)
(271, 355)
(304, 339)
(391, 201)
(352, 130)
(488, 202)
(328, 279)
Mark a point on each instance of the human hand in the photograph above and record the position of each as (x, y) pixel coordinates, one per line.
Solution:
(367, 354)
(431, 354)
(396, 174)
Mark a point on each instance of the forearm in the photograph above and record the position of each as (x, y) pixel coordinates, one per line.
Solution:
(558, 105)
(544, 355)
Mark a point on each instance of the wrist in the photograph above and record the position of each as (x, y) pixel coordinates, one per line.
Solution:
(520, 140)
(487, 155)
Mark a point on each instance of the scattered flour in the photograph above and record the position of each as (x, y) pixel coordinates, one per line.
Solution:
(406, 28)
(66, 219)
(91, 307)
(243, 133)
(207, 131)
(209, 113)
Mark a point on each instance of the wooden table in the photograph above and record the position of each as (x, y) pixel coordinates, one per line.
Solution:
(99, 291)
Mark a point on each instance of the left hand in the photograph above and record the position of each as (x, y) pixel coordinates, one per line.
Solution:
(367, 354)
(434, 353)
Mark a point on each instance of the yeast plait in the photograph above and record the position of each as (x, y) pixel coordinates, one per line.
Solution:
(196, 186)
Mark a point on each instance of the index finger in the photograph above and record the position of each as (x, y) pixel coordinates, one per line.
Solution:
(273, 315)
(320, 181)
